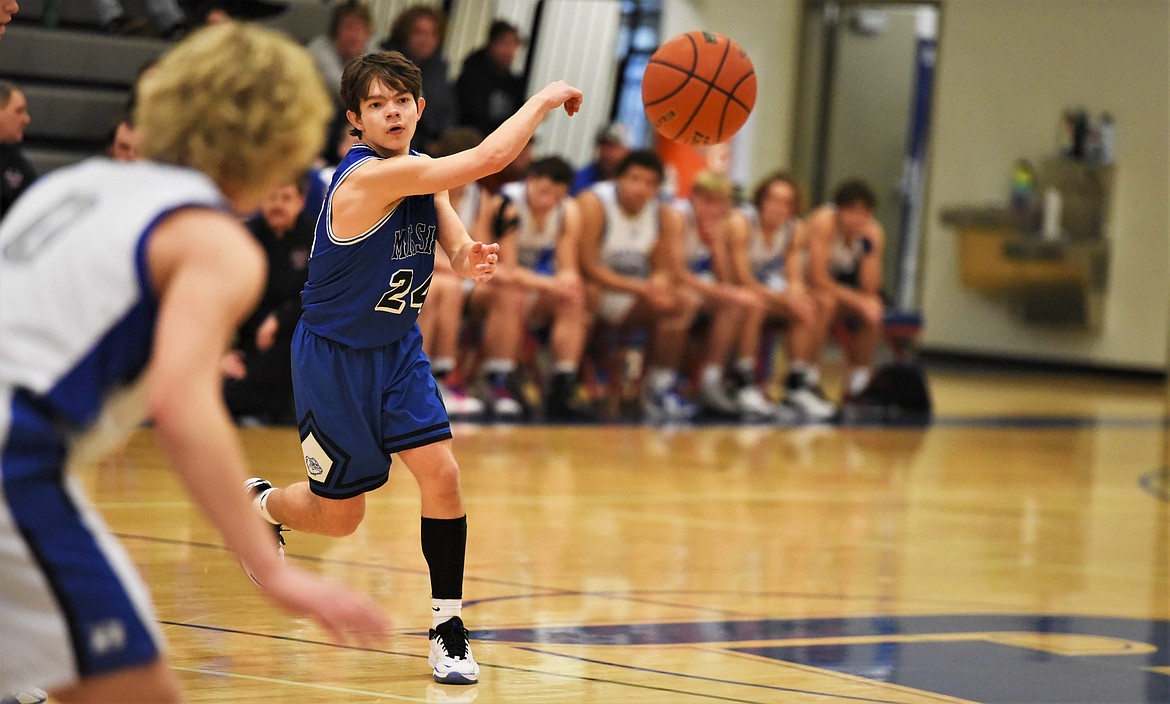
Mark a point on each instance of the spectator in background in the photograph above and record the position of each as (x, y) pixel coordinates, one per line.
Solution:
(170, 20)
(350, 35)
(417, 32)
(259, 383)
(613, 143)
(122, 144)
(488, 91)
(8, 8)
(845, 261)
(320, 177)
(213, 12)
(15, 172)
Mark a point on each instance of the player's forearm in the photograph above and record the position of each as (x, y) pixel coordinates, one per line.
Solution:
(503, 145)
(202, 445)
(609, 279)
(460, 259)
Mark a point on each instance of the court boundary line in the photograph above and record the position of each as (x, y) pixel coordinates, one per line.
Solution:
(511, 668)
(295, 683)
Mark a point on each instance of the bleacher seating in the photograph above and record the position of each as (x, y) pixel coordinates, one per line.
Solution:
(78, 78)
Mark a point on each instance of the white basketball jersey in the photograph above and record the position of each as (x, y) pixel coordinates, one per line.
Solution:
(77, 311)
(537, 245)
(846, 254)
(469, 204)
(696, 252)
(767, 258)
(628, 240)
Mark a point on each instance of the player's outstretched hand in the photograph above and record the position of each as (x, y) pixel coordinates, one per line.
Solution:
(345, 614)
(561, 93)
(482, 259)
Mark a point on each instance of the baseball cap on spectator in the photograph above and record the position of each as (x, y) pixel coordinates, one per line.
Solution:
(615, 133)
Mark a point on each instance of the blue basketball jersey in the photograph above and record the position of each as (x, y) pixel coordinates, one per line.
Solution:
(367, 291)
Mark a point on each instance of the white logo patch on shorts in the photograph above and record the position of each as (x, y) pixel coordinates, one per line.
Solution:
(318, 463)
(106, 637)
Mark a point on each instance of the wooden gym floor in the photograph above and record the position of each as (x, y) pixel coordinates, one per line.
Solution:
(1015, 551)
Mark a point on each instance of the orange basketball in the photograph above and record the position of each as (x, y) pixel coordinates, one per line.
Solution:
(699, 88)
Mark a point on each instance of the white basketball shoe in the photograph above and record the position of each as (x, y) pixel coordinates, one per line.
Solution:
(450, 657)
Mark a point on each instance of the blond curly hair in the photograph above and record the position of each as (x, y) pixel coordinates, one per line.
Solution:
(240, 103)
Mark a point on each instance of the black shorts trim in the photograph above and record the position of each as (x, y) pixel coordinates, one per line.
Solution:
(415, 433)
(349, 492)
(418, 443)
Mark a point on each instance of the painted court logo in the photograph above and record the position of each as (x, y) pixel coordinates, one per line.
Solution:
(988, 658)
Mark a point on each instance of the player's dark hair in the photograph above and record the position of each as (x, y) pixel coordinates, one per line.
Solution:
(644, 158)
(553, 168)
(853, 192)
(355, 8)
(778, 177)
(396, 72)
(500, 29)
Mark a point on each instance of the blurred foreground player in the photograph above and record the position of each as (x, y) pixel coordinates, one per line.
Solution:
(122, 284)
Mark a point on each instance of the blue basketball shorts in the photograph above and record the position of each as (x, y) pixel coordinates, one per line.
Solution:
(358, 406)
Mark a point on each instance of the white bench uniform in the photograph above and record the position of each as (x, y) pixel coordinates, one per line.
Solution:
(626, 244)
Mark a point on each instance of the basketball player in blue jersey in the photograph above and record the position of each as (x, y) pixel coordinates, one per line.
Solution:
(539, 281)
(363, 386)
(631, 255)
(768, 248)
(121, 285)
(845, 263)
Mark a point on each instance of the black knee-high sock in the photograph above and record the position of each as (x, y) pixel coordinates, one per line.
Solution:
(444, 545)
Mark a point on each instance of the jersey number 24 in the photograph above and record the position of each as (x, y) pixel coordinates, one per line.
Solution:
(394, 300)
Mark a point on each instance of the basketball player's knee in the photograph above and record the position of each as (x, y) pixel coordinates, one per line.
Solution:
(804, 312)
(343, 517)
(511, 297)
(571, 303)
(442, 484)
